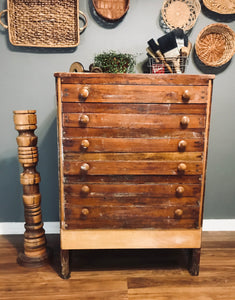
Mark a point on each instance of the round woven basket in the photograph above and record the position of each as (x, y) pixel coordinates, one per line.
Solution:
(222, 7)
(215, 44)
(180, 13)
(111, 10)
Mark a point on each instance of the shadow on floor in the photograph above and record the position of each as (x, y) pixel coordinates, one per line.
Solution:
(111, 260)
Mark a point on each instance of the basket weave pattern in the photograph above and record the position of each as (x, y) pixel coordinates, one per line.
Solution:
(111, 9)
(221, 6)
(215, 44)
(180, 13)
(44, 22)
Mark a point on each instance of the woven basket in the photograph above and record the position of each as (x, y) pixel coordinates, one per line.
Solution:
(215, 44)
(180, 13)
(223, 7)
(43, 23)
(111, 10)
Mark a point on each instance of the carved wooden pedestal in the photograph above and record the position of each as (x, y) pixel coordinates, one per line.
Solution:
(35, 251)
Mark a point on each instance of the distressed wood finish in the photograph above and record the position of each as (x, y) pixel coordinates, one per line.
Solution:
(149, 156)
(132, 190)
(123, 200)
(133, 108)
(157, 179)
(84, 132)
(103, 120)
(132, 145)
(133, 94)
(132, 79)
(132, 168)
(132, 156)
(141, 216)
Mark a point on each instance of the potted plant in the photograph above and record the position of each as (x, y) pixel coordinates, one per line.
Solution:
(113, 62)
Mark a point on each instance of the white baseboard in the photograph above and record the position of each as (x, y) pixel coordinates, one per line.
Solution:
(54, 227)
(18, 228)
(219, 225)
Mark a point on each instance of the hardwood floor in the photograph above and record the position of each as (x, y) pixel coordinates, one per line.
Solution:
(122, 274)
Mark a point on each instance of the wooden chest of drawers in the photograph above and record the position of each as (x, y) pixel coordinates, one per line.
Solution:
(132, 161)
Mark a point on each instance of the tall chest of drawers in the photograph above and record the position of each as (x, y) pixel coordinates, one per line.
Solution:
(132, 161)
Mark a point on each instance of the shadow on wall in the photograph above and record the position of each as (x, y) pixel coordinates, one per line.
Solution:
(48, 169)
(11, 208)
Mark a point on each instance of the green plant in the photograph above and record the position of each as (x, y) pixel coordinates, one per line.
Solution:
(113, 62)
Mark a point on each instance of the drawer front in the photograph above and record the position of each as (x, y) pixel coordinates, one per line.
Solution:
(110, 201)
(132, 145)
(132, 179)
(103, 120)
(160, 156)
(132, 168)
(92, 190)
(120, 93)
(133, 108)
(159, 216)
(76, 132)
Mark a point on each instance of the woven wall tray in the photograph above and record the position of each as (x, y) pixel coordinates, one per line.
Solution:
(180, 13)
(223, 7)
(111, 10)
(215, 44)
(43, 23)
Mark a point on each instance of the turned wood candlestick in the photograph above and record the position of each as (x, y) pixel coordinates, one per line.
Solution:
(35, 251)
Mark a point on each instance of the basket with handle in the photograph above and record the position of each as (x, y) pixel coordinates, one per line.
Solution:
(180, 13)
(223, 7)
(43, 23)
(215, 44)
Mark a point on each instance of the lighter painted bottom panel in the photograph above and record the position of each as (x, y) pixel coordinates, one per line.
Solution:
(130, 239)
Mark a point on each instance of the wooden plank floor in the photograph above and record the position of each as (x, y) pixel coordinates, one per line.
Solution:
(122, 274)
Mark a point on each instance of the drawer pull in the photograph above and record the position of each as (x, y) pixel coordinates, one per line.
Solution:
(184, 121)
(182, 145)
(85, 167)
(182, 167)
(178, 212)
(179, 191)
(186, 96)
(85, 189)
(84, 119)
(85, 212)
(84, 93)
(85, 144)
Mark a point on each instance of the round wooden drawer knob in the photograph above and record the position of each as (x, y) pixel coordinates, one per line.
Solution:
(182, 167)
(179, 191)
(85, 167)
(182, 145)
(85, 189)
(84, 93)
(84, 119)
(85, 212)
(184, 121)
(186, 96)
(178, 212)
(85, 144)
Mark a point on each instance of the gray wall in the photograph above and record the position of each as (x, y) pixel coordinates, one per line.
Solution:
(27, 82)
